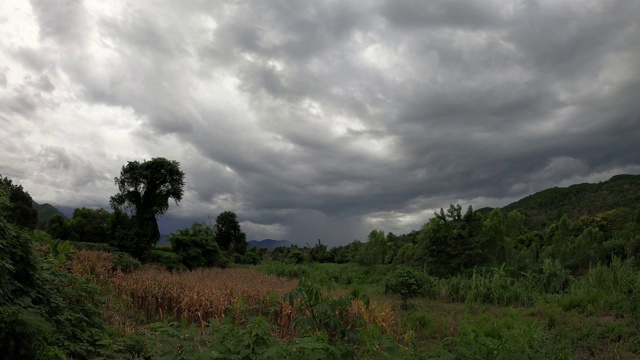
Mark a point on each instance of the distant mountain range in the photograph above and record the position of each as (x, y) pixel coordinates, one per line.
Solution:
(268, 244)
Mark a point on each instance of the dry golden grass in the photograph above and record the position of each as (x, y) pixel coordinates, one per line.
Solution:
(379, 314)
(198, 295)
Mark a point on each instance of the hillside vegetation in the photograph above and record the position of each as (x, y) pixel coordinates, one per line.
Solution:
(547, 206)
(45, 211)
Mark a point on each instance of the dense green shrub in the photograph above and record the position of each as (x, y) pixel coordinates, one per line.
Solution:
(407, 284)
(45, 312)
(125, 262)
(507, 339)
(555, 279)
(197, 247)
(251, 257)
(496, 287)
(295, 256)
(168, 259)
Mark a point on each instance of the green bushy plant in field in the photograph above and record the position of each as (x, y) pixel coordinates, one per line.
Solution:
(407, 284)
(612, 288)
(168, 259)
(486, 285)
(224, 339)
(555, 279)
(125, 262)
(321, 315)
(251, 257)
(319, 311)
(197, 247)
(511, 339)
(496, 287)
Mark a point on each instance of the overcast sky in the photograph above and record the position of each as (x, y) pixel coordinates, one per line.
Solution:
(319, 119)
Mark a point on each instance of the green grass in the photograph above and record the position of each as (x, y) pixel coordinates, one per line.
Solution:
(491, 314)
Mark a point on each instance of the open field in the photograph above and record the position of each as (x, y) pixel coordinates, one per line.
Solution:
(478, 317)
(207, 298)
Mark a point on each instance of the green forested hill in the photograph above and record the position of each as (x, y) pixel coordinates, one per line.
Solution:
(547, 206)
(45, 211)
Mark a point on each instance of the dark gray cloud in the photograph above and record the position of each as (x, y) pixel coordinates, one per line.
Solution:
(456, 14)
(322, 119)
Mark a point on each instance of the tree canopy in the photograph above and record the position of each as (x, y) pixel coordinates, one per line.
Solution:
(197, 247)
(20, 209)
(228, 233)
(451, 243)
(90, 225)
(144, 192)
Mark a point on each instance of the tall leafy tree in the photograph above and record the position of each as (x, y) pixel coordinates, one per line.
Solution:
(20, 209)
(514, 225)
(561, 241)
(90, 225)
(374, 250)
(319, 253)
(449, 244)
(144, 192)
(228, 233)
(58, 227)
(494, 237)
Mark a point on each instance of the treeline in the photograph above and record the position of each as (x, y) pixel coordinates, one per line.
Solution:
(131, 227)
(454, 242)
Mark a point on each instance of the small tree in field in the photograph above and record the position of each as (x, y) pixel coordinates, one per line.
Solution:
(405, 283)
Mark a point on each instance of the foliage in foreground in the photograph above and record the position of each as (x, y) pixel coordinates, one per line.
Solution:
(45, 312)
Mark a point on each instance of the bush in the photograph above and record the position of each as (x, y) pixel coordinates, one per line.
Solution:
(506, 339)
(125, 263)
(167, 259)
(555, 279)
(250, 258)
(197, 247)
(294, 257)
(494, 286)
(407, 284)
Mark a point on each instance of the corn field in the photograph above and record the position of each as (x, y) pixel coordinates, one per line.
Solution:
(200, 295)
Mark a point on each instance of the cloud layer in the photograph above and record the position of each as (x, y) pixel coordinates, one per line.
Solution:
(319, 119)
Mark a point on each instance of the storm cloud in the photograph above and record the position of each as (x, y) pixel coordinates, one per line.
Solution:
(319, 119)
